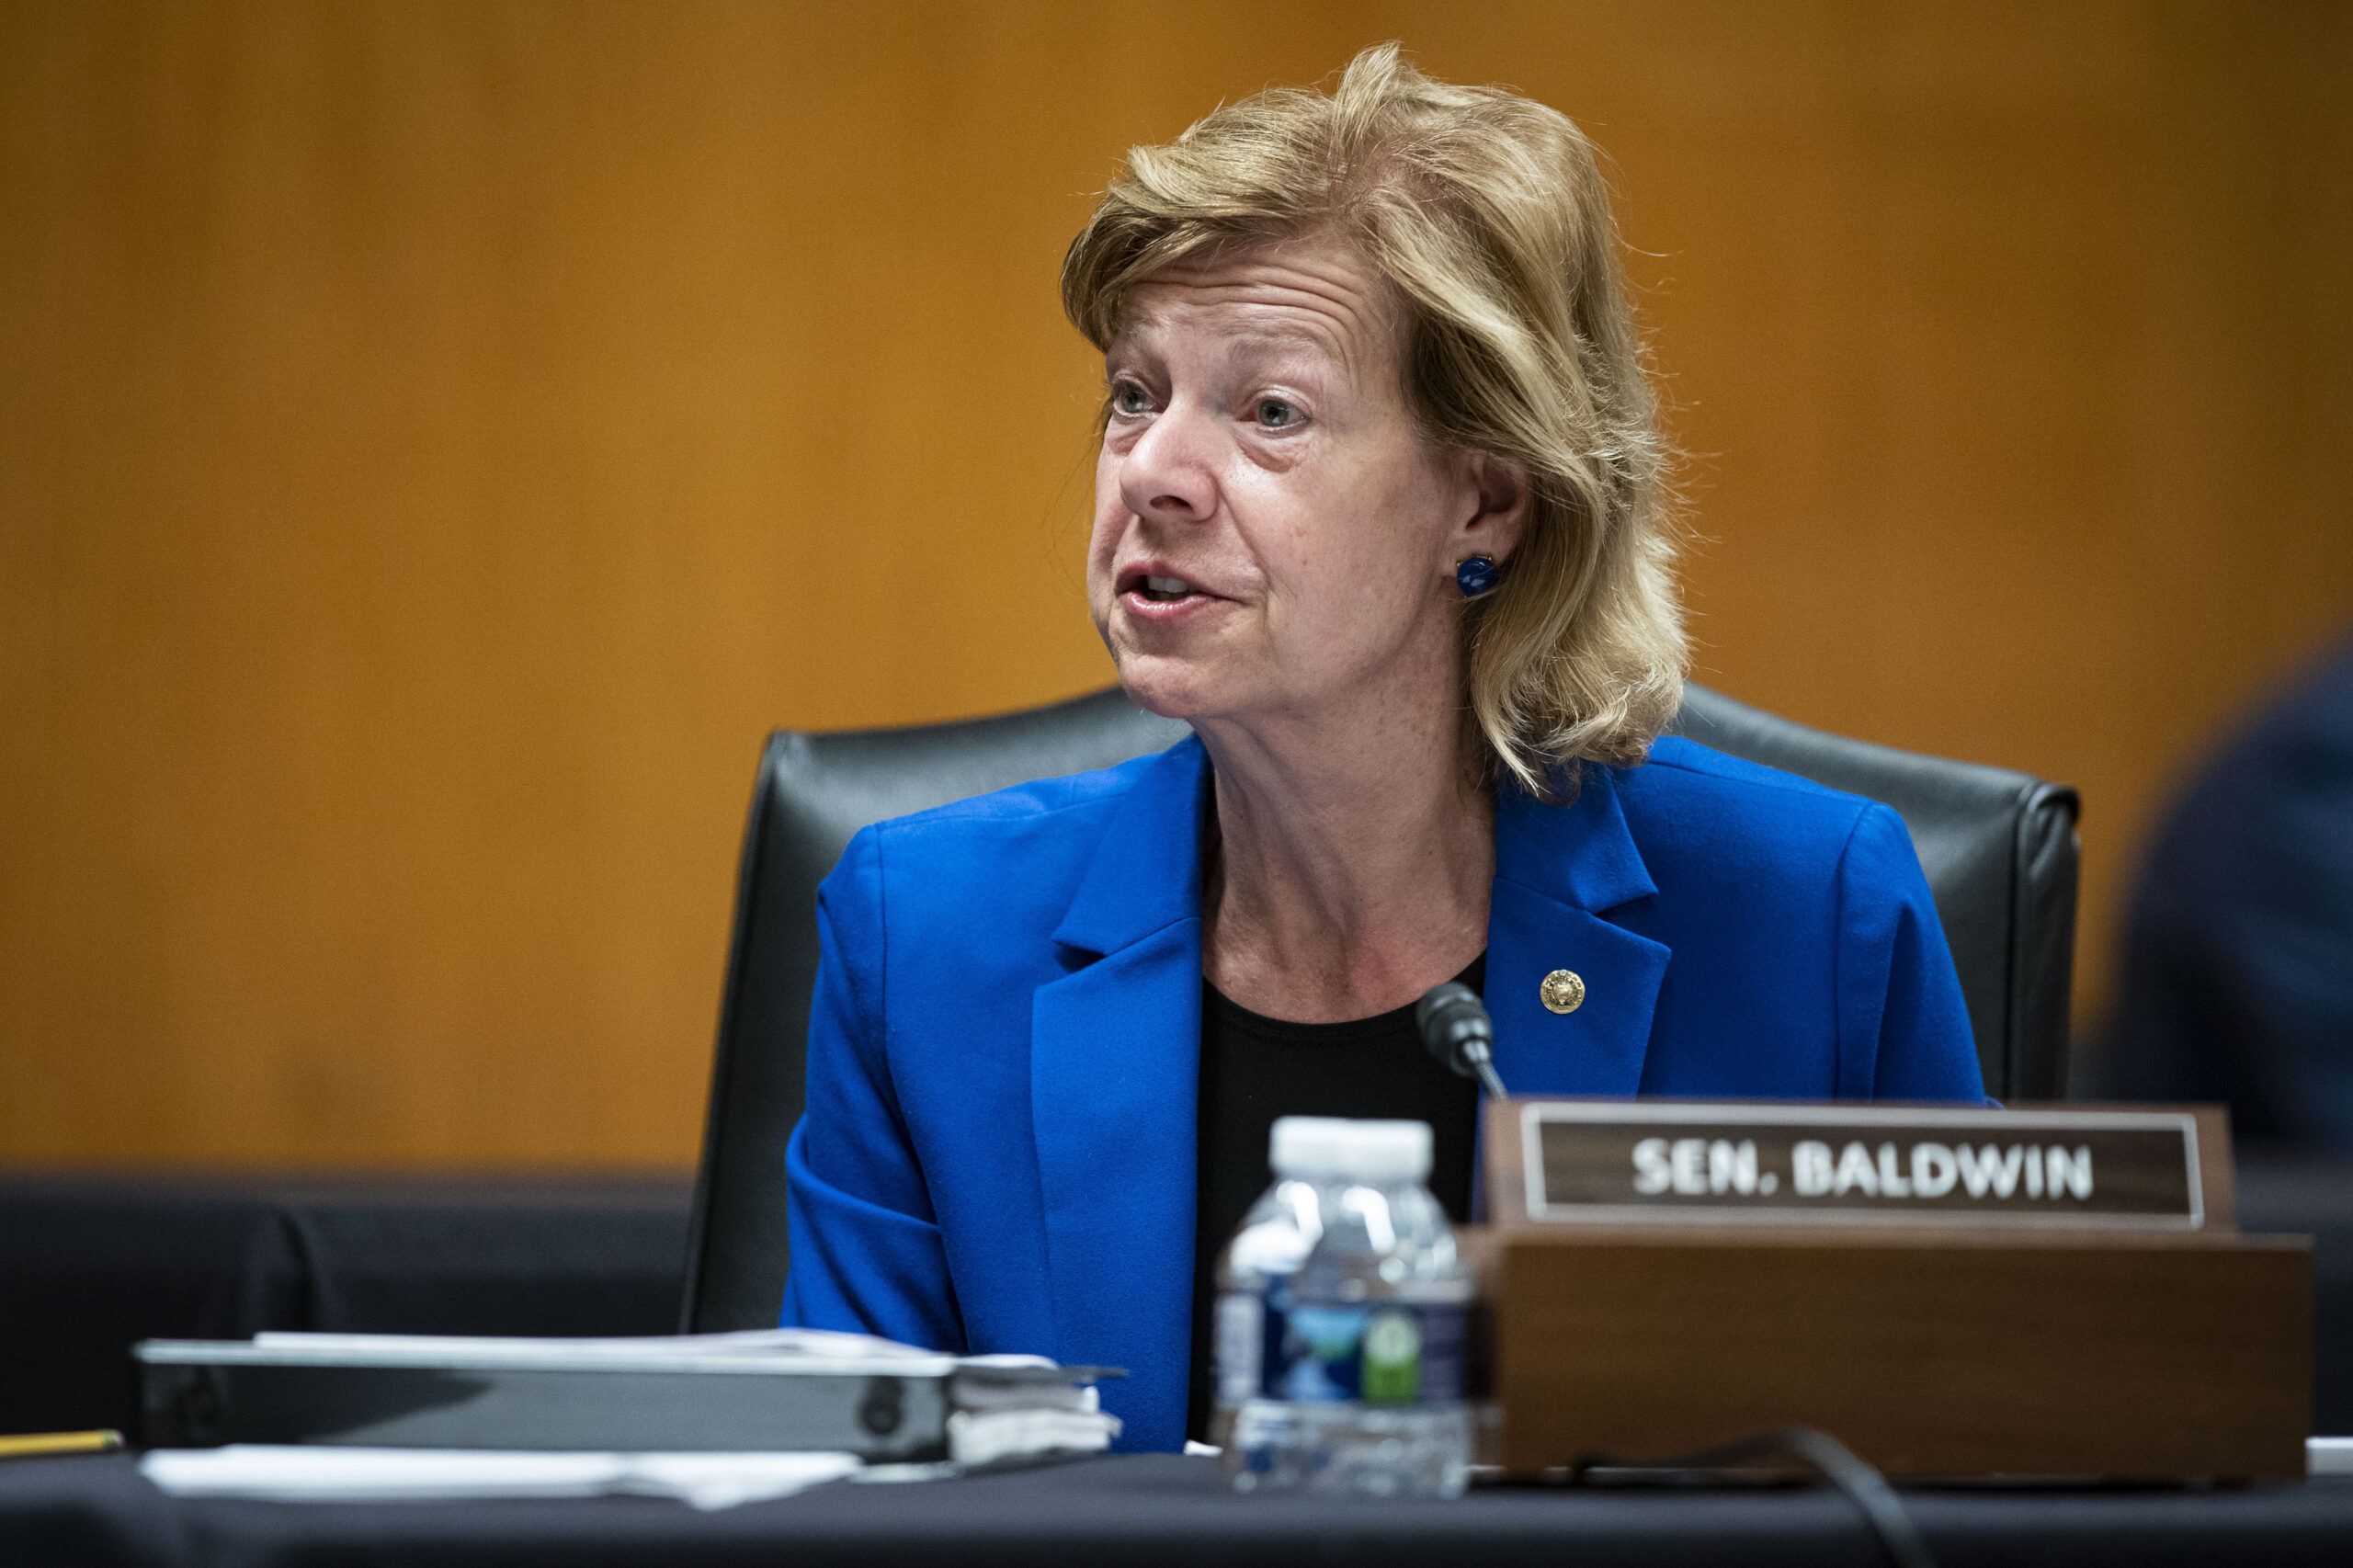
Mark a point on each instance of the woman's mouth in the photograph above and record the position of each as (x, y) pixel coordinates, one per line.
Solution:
(1141, 588)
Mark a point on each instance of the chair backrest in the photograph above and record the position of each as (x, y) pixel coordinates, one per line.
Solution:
(1999, 849)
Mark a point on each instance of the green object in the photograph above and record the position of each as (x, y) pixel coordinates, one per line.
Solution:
(1392, 1369)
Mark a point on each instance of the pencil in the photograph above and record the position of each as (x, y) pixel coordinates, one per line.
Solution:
(31, 1443)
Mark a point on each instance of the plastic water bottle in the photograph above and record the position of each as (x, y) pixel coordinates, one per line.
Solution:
(1361, 1385)
(1275, 1238)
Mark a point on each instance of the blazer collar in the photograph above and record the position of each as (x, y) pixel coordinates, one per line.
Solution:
(1580, 853)
(1560, 872)
(1146, 873)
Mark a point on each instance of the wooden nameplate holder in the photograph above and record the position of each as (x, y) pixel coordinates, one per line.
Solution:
(1666, 1276)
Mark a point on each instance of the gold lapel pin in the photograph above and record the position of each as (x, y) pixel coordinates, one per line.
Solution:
(1562, 991)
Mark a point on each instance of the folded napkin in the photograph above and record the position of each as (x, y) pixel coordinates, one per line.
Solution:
(987, 1438)
(997, 1419)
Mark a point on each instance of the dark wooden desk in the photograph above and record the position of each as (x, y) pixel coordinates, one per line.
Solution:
(1146, 1510)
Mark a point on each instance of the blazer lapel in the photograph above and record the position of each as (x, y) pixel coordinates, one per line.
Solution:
(1558, 871)
(1114, 1051)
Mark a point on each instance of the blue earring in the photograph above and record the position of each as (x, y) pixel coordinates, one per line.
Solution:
(1478, 576)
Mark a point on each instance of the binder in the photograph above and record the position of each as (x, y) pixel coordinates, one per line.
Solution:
(765, 1390)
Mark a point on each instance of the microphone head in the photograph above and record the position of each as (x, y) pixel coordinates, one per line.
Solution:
(1455, 1026)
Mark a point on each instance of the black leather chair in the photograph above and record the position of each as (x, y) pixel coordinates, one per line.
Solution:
(1998, 848)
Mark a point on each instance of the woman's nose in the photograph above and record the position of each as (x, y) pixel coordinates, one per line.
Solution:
(1168, 472)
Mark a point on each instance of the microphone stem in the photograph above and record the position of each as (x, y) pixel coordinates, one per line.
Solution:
(1487, 1079)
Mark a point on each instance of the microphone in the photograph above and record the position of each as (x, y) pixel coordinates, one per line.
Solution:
(1456, 1030)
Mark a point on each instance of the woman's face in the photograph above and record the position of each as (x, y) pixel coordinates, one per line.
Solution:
(1271, 530)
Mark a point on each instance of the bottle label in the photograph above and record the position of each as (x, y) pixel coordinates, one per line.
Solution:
(1378, 1352)
(1238, 1345)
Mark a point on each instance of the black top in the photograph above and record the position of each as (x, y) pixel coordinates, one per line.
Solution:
(1255, 1069)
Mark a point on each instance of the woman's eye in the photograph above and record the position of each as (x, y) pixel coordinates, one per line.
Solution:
(1274, 413)
(1129, 398)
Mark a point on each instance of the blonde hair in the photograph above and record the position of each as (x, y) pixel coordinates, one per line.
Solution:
(1487, 212)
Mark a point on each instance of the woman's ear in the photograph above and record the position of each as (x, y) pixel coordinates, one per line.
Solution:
(1501, 497)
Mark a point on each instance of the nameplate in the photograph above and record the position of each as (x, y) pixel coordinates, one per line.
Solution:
(1662, 1161)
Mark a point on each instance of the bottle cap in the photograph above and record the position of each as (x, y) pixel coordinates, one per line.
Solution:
(1330, 1148)
(1383, 1153)
(1303, 1147)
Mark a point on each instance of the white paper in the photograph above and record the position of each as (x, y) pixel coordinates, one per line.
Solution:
(982, 1396)
(326, 1474)
(823, 1342)
(758, 1346)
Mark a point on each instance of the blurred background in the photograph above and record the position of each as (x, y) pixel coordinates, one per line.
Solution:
(437, 441)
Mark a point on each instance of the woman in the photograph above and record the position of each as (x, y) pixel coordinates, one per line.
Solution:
(1377, 513)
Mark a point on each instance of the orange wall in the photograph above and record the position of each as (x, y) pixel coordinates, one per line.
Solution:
(437, 442)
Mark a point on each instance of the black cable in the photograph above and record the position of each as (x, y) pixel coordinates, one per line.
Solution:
(1862, 1485)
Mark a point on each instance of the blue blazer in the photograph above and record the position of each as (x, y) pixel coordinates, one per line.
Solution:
(998, 1153)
